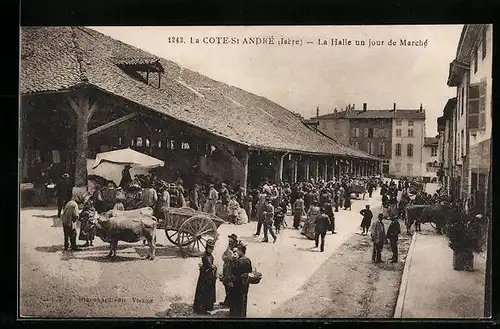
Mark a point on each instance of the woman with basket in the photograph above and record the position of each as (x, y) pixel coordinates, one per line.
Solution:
(243, 276)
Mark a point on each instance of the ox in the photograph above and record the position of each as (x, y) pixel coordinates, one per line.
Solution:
(418, 214)
(128, 228)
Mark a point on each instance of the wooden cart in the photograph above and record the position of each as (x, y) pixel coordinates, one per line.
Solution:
(189, 229)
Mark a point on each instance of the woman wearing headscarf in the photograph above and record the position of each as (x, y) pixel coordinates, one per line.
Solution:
(242, 266)
(205, 288)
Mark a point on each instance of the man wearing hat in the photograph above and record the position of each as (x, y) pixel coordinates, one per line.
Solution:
(279, 219)
(64, 193)
(378, 238)
(268, 214)
(227, 277)
(213, 196)
(393, 232)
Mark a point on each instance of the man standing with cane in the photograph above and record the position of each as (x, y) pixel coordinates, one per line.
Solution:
(378, 238)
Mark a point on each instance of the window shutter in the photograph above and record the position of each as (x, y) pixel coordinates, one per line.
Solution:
(473, 107)
(482, 105)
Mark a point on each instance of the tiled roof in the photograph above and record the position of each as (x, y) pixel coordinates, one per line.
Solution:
(430, 141)
(58, 58)
(376, 114)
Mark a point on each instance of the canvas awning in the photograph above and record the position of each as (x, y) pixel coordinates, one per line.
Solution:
(130, 157)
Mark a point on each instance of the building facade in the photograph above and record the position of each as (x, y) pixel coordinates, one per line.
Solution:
(471, 75)
(408, 135)
(430, 165)
(396, 136)
(446, 146)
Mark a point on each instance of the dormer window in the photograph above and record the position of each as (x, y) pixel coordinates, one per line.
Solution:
(146, 70)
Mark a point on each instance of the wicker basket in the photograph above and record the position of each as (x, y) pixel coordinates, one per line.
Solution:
(254, 277)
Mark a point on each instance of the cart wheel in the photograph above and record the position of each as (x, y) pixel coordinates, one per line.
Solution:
(194, 234)
(175, 238)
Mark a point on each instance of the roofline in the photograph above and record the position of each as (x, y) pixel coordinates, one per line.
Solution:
(367, 154)
(249, 146)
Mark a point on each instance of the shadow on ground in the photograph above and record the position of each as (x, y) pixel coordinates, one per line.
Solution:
(56, 248)
(164, 252)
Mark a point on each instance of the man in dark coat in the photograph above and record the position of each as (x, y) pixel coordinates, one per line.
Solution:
(370, 188)
(322, 226)
(367, 219)
(64, 193)
(392, 235)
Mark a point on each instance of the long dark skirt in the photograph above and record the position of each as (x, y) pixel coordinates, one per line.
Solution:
(204, 298)
(238, 307)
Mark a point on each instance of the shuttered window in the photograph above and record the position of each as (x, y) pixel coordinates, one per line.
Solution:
(482, 104)
(398, 149)
(474, 105)
(473, 122)
(409, 151)
(370, 147)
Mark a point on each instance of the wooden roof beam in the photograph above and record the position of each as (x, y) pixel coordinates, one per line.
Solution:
(112, 123)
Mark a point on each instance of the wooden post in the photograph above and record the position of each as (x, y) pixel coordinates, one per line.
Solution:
(325, 172)
(245, 170)
(295, 169)
(316, 175)
(280, 169)
(83, 112)
(333, 168)
(307, 169)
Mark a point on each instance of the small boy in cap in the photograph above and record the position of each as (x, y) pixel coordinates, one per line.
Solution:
(279, 219)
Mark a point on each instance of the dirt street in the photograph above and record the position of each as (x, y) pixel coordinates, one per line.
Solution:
(86, 284)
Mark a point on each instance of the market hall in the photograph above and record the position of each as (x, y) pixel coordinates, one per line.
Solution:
(83, 93)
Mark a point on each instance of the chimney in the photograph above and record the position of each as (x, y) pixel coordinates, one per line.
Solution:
(421, 108)
(394, 108)
(364, 107)
(335, 110)
(317, 112)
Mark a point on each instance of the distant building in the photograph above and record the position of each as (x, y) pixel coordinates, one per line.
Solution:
(396, 136)
(446, 144)
(471, 73)
(430, 162)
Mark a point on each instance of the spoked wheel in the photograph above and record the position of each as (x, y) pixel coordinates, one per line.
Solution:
(196, 231)
(176, 238)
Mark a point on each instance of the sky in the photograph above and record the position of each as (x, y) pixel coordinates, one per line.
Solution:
(304, 77)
